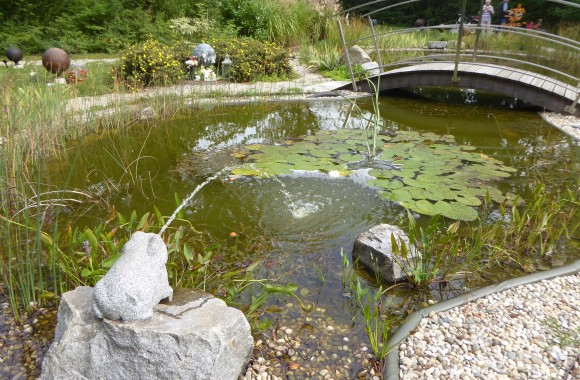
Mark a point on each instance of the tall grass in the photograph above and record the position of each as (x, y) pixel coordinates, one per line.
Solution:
(321, 55)
(38, 121)
(291, 23)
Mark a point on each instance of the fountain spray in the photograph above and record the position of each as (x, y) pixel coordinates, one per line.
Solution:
(190, 197)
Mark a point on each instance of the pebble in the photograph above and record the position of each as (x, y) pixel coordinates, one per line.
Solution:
(515, 334)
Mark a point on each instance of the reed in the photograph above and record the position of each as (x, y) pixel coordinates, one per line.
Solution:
(530, 234)
(322, 56)
(38, 122)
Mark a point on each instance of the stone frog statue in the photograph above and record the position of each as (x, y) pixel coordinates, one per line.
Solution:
(136, 282)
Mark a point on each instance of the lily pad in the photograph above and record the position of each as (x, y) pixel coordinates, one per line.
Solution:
(380, 173)
(417, 192)
(401, 195)
(424, 207)
(381, 182)
(347, 157)
(432, 168)
(469, 200)
(246, 171)
(394, 184)
(456, 211)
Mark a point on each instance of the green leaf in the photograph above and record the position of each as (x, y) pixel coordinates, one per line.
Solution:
(110, 261)
(143, 221)
(46, 239)
(187, 253)
(158, 216)
(180, 214)
(132, 219)
(86, 273)
(92, 239)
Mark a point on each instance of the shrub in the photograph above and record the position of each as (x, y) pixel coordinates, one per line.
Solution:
(252, 59)
(150, 63)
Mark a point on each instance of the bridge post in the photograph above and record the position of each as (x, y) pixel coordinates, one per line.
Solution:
(379, 58)
(571, 109)
(478, 31)
(346, 56)
(455, 78)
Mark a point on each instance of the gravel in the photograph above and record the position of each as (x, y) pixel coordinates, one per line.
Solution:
(528, 332)
(568, 124)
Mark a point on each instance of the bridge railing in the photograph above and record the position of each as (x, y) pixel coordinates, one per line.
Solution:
(475, 54)
(540, 60)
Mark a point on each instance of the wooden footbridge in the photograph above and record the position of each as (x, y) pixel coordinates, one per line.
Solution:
(534, 88)
(502, 73)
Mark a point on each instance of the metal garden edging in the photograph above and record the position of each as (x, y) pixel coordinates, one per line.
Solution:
(391, 371)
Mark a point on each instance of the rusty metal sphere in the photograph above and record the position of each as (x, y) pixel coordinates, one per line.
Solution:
(55, 60)
(14, 54)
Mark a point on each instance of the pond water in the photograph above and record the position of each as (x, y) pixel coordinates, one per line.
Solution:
(309, 219)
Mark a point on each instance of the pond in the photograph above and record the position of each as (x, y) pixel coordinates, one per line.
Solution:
(308, 222)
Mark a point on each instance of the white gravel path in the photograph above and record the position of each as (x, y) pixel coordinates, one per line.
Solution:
(527, 332)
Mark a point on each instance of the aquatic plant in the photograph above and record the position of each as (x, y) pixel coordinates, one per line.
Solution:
(376, 328)
(423, 172)
(421, 269)
(528, 235)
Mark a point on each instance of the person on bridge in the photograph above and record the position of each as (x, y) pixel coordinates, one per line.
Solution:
(503, 15)
(486, 14)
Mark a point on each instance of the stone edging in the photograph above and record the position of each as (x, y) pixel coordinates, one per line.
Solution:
(391, 371)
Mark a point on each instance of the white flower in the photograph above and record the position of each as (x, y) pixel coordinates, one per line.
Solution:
(334, 173)
(190, 62)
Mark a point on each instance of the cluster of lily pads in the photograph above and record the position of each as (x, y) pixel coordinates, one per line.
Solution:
(424, 172)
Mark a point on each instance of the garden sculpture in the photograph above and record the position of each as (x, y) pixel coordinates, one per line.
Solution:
(136, 282)
(205, 54)
(14, 54)
(56, 60)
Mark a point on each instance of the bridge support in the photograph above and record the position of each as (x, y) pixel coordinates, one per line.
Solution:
(455, 78)
(378, 52)
(346, 56)
(571, 109)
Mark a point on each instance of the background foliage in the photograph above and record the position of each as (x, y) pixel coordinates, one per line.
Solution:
(444, 12)
(81, 26)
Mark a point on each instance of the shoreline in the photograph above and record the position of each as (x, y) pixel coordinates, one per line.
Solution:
(569, 124)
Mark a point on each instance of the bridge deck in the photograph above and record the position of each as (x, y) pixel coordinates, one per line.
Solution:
(523, 76)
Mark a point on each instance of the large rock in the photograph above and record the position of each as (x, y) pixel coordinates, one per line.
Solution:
(371, 69)
(136, 282)
(356, 55)
(436, 44)
(373, 248)
(196, 336)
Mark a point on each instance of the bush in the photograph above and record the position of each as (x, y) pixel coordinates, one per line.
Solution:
(252, 59)
(150, 63)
